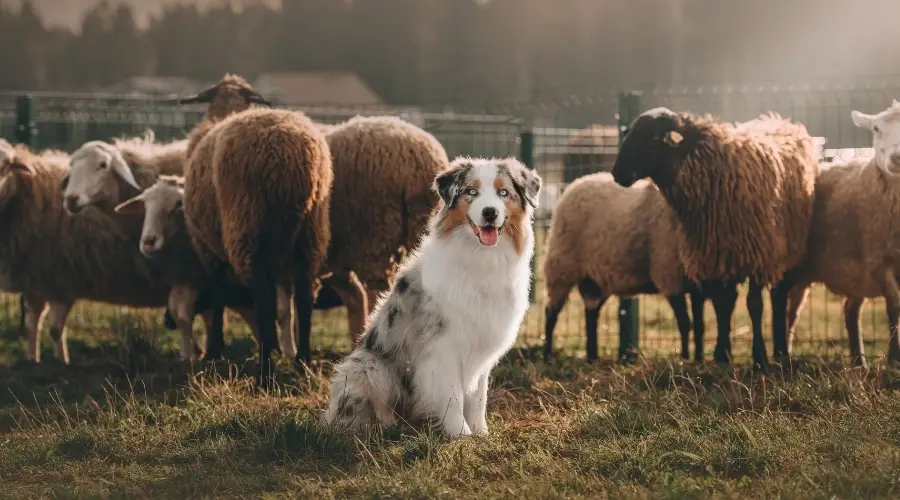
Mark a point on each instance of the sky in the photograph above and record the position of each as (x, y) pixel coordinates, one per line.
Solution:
(68, 13)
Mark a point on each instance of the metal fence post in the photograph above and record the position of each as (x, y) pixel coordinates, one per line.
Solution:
(26, 133)
(526, 156)
(629, 311)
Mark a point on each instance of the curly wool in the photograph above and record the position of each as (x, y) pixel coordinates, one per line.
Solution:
(744, 195)
(622, 239)
(61, 257)
(258, 180)
(382, 196)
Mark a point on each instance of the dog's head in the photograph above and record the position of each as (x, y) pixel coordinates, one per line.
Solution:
(488, 196)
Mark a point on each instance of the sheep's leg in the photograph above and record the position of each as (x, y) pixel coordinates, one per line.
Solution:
(555, 304)
(796, 300)
(852, 305)
(756, 308)
(264, 302)
(353, 296)
(892, 303)
(781, 324)
(182, 303)
(724, 297)
(698, 302)
(593, 298)
(303, 309)
(680, 308)
(215, 335)
(58, 312)
(284, 314)
(35, 309)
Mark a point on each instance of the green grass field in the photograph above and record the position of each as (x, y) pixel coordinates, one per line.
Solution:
(128, 420)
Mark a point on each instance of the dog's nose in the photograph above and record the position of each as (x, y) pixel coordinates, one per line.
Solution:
(150, 241)
(72, 203)
(490, 214)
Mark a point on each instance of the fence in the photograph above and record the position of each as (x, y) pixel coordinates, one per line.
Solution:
(543, 138)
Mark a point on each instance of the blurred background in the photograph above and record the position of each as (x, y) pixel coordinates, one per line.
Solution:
(548, 81)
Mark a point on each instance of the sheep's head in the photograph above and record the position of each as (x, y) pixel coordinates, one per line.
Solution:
(15, 174)
(96, 169)
(232, 94)
(650, 148)
(157, 203)
(885, 129)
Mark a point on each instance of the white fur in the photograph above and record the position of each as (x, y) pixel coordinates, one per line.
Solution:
(477, 294)
(885, 129)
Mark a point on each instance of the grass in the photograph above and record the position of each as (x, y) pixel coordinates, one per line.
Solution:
(127, 420)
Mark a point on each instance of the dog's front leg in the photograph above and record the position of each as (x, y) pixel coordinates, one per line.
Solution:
(476, 407)
(443, 397)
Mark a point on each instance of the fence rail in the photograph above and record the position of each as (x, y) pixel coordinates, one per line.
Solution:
(556, 139)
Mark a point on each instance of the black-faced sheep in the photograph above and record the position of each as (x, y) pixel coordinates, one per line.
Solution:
(381, 200)
(744, 195)
(611, 240)
(52, 256)
(854, 242)
(257, 198)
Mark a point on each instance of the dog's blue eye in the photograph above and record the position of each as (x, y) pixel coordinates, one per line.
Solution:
(503, 193)
(472, 192)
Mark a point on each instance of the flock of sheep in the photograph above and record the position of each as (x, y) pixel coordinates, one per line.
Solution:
(270, 214)
(728, 203)
(258, 206)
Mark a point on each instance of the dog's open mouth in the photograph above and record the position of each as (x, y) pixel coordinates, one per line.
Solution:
(487, 235)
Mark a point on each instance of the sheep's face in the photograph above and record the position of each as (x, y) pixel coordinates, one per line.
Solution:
(14, 176)
(485, 197)
(649, 148)
(157, 203)
(885, 129)
(95, 171)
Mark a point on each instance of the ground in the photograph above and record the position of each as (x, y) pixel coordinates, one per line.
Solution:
(128, 420)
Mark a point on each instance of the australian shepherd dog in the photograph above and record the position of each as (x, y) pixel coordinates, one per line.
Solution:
(453, 311)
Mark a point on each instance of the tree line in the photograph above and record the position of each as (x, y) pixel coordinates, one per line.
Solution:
(446, 51)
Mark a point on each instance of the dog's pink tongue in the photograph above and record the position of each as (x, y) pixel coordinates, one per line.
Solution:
(487, 236)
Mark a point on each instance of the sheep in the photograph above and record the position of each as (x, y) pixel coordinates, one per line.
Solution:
(854, 242)
(610, 240)
(257, 199)
(744, 197)
(52, 256)
(103, 172)
(164, 227)
(381, 200)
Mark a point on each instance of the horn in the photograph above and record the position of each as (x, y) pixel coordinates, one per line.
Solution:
(252, 96)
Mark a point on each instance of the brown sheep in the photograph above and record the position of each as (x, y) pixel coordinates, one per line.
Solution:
(51, 256)
(854, 243)
(744, 195)
(257, 198)
(381, 200)
(611, 240)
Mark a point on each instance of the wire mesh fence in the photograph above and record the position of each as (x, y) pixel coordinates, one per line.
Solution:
(566, 140)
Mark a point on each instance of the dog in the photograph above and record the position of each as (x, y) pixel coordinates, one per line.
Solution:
(454, 310)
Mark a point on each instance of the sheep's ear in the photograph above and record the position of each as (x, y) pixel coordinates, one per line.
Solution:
(449, 183)
(527, 183)
(253, 97)
(862, 120)
(133, 206)
(22, 168)
(205, 95)
(64, 182)
(120, 167)
(673, 138)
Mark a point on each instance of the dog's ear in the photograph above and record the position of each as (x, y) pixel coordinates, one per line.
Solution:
(448, 184)
(527, 183)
